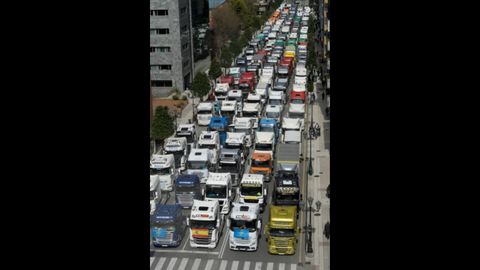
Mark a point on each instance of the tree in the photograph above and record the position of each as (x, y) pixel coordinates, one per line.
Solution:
(236, 46)
(225, 57)
(162, 124)
(215, 70)
(200, 85)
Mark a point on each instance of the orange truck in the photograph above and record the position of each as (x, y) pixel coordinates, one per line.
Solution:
(262, 164)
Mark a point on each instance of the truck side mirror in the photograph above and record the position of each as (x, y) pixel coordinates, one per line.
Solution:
(228, 223)
(230, 193)
(203, 192)
(238, 190)
(259, 225)
(188, 221)
(218, 223)
(265, 192)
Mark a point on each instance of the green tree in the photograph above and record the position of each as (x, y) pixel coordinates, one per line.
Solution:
(226, 57)
(162, 124)
(236, 46)
(215, 70)
(200, 85)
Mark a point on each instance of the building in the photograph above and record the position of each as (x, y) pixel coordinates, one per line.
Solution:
(215, 3)
(171, 50)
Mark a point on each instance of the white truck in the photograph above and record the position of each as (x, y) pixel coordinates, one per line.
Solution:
(164, 167)
(265, 142)
(240, 141)
(252, 110)
(296, 111)
(221, 90)
(219, 188)
(246, 125)
(205, 224)
(253, 190)
(210, 140)
(300, 74)
(229, 109)
(244, 226)
(188, 131)
(198, 163)
(254, 98)
(292, 130)
(273, 111)
(204, 113)
(155, 192)
(177, 146)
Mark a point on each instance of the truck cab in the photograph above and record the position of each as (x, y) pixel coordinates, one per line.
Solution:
(262, 157)
(235, 95)
(281, 230)
(231, 161)
(199, 163)
(253, 190)
(229, 109)
(164, 167)
(244, 227)
(254, 98)
(240, 141)
(168, 226)
(252, 110)
(187, 189)
(177, 146)
(297, 97)
(219, 124)
(286, 186)
(155, 193)
(262, 88)
(205, 224)
(210, 140)
(247, 82)
(204, 113)
(246, 125)
(188, 131)
(296, 111)
(218, 187)
(269, 125)
(221, 90)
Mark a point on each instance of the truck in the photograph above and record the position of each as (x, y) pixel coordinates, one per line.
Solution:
(231, 161)
(210, 140)
(296, 111)
(269, 125)
(235, 94)
(244, 227)
(188, 131)
(240, 141)
(187, 189)
(232, 77)
(204, 113)
(281, 230)
(198, 163)
(247, 82)
(229, 109)
(221, 90)
(273, 111)
(218, 187)
(262, 157)
(300, 74)
(262, 88)
(252, 110)
(177, 146)
(286, 185)
(168, 226)
(205, 224)
(164, 167)
(219, 124)
(297, 97)
(253, 190)
(254, 98)
(155, 192)
(246, 125)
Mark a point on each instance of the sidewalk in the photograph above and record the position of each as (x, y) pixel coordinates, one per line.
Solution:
(317, 185)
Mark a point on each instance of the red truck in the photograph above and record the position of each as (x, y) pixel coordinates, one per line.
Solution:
(286, 62)
(297, 97)
(247, 82)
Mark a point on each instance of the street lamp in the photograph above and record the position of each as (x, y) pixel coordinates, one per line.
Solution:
(309, 228)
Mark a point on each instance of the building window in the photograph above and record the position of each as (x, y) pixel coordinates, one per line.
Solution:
(184, 46)
(162, 83)
(159, 49)
(159, 12)
(183, 10)
(184, 28)
(160, 67)
(160, 31)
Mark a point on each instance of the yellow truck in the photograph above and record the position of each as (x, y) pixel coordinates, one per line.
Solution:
(281, 230)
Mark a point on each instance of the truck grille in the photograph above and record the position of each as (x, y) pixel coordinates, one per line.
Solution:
(204, 241)
(165, 240)
(281, 244)
(251, 201)
(185, 200)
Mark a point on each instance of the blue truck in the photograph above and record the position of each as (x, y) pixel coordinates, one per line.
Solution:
(269, 125)
(168, 226)
(219, 124)
(187, 189)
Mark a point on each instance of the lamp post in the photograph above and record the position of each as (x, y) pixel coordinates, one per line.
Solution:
(309, 228)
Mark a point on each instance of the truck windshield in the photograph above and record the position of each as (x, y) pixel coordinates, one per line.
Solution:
(250, 114)
(257, 163)
(232, 146)
(164, 224)
(207, 146)
(204, 112)
(263, 147)
(216, 128)
(297, 101)
(176, 154)
(266, 128)
(282, 232)
(189, 137)
(215, 191)
(295, 115)
(228, 167)
(153, 194)
(197, 165)
(184, 189)
(244, 86)
(251, 190)
(287, 197)
(273, 114)
(207, 224)
(228, 114)
(164, 171)
(275, 102)
(243, 224)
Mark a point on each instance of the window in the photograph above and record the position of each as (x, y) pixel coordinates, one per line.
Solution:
(160, 67)
(183, 10)
(159, 12)
(160, 31)
(184, 46)
(162, 83)
(184, 28)
(159, 49)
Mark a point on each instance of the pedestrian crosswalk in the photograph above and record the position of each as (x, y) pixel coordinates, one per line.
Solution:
(175, 263)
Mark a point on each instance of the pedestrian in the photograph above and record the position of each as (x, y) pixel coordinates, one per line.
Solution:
(326, 230)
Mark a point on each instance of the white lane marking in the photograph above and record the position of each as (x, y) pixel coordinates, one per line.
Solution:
(234, 265)
(171, 263)
(281, 266)
(209, 265)
(160, 263)
(186, 251)
(187, 239)
(196, 264)
(270, 266)
(183, 264)
(226, 234)
(293, 266)
(223, 265)
(246, 265)
(151, 260)
(258, 266)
